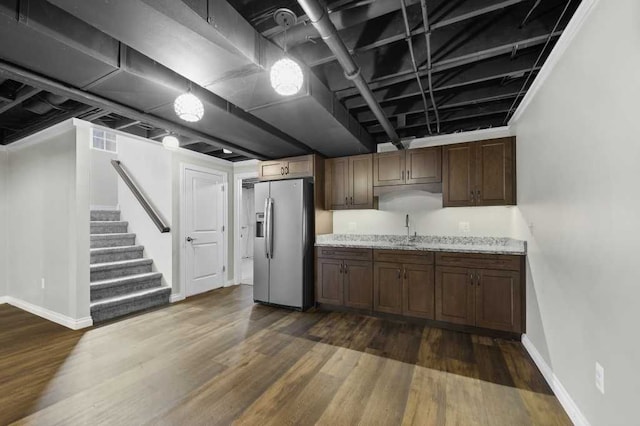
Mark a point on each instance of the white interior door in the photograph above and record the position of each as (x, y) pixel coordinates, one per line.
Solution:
(204, 231)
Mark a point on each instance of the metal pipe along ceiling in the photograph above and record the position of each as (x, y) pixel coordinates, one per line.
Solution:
(320, 19)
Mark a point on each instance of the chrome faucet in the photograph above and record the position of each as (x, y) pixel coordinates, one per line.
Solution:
(406, 224)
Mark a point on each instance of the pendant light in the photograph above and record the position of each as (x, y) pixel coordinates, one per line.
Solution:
(170, 142)
(188, 107)
(286, 75)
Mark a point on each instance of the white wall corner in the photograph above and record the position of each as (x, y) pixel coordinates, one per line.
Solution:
(74, 324)
(577, 21)
(3, 148)
(558, 389)
(42, 136)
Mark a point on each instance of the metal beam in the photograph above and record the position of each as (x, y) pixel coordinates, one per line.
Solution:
(447, 64)
(124, 123)
(157, 133)
(28, 77)
(94, 115)
(22, 95)
(318, 57)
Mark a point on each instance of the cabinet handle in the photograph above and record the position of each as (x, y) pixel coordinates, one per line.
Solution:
(351, 200)
(287, 170)
(473, 196)
(398, 273)
(405, 273)
(282, 171)
(471, 277)
(346, 268)
(346, 201)
(403, 175)
(340, 267)
(478, 278)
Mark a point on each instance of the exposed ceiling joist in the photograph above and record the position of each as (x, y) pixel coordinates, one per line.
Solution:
(315, 56)
(124, 123)
(22, 95)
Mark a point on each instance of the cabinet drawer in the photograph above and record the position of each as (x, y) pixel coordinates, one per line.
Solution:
(344, 253)
(403, 256)
(483, 261)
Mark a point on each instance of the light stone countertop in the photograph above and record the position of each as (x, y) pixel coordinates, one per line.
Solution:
(485, 245)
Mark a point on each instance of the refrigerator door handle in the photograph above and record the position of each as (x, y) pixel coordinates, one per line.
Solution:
(269, 220)
(266, 227)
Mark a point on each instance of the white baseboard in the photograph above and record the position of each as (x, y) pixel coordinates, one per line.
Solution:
(176, 297)
(3, 300)
(74, 324)
(563, 396)
(230, 283)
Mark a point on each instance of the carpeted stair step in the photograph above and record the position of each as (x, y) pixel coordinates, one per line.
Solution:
(105, 271)
(105, 215)
(134, 302)
(116, 254)
(124, 285)
(112, 240)
(109, 227)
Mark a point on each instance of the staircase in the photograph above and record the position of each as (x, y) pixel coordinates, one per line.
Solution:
(122, 281)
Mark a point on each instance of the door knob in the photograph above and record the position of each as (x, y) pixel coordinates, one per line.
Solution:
(189, 239)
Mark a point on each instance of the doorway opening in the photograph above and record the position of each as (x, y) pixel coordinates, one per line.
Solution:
(245, 216)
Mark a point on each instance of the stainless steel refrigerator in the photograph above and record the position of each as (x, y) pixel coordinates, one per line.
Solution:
(283, 245)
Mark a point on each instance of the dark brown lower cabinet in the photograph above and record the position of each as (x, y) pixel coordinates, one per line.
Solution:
(387, 287)
(358, 284)
(455, 295)
(483, 298)
(404, 288)
(344, 277)
(329, 281)
(418, 296)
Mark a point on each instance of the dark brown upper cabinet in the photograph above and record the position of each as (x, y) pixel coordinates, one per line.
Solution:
(412, 166)
(287, 168)
(349, 182)
(479, 173)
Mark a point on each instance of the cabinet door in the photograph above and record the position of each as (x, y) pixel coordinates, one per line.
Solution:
(419, 291)
(387, 287)
(495, 172)
(336, 183)
(358, 284)
(329, 287)
(389, 168)
(424, 165)
(268, 170)
(300, 167)
(455, 291)
(361, 182)
(498, 300)
(458, 175)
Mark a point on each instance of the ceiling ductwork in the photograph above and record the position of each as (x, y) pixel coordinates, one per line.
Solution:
(211, 44)
(53, 44)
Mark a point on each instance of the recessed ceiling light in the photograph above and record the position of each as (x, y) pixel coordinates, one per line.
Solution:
(171, 142)
(226, 151)
(188, 107)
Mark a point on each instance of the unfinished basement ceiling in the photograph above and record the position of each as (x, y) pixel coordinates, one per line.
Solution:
(483, 56)
(67, 58)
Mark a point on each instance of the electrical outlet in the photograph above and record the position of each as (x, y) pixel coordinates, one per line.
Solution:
(42, 283)
(600, 377)
(464, 227)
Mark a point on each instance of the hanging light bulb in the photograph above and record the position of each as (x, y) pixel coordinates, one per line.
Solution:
(286, 75)
(188, 107)
(171, 142)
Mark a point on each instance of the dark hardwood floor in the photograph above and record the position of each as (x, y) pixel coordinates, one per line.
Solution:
(220, 359)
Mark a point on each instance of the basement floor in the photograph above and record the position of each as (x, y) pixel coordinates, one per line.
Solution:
(218, 358)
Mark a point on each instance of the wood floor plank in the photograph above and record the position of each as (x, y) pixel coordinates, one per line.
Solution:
(218, 358)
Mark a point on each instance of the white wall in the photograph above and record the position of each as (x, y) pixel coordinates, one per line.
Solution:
(247, 221)
(104, 180)
(48, 213)
(427, 217)
(149, 166)
(3, 223)
(578, 173)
